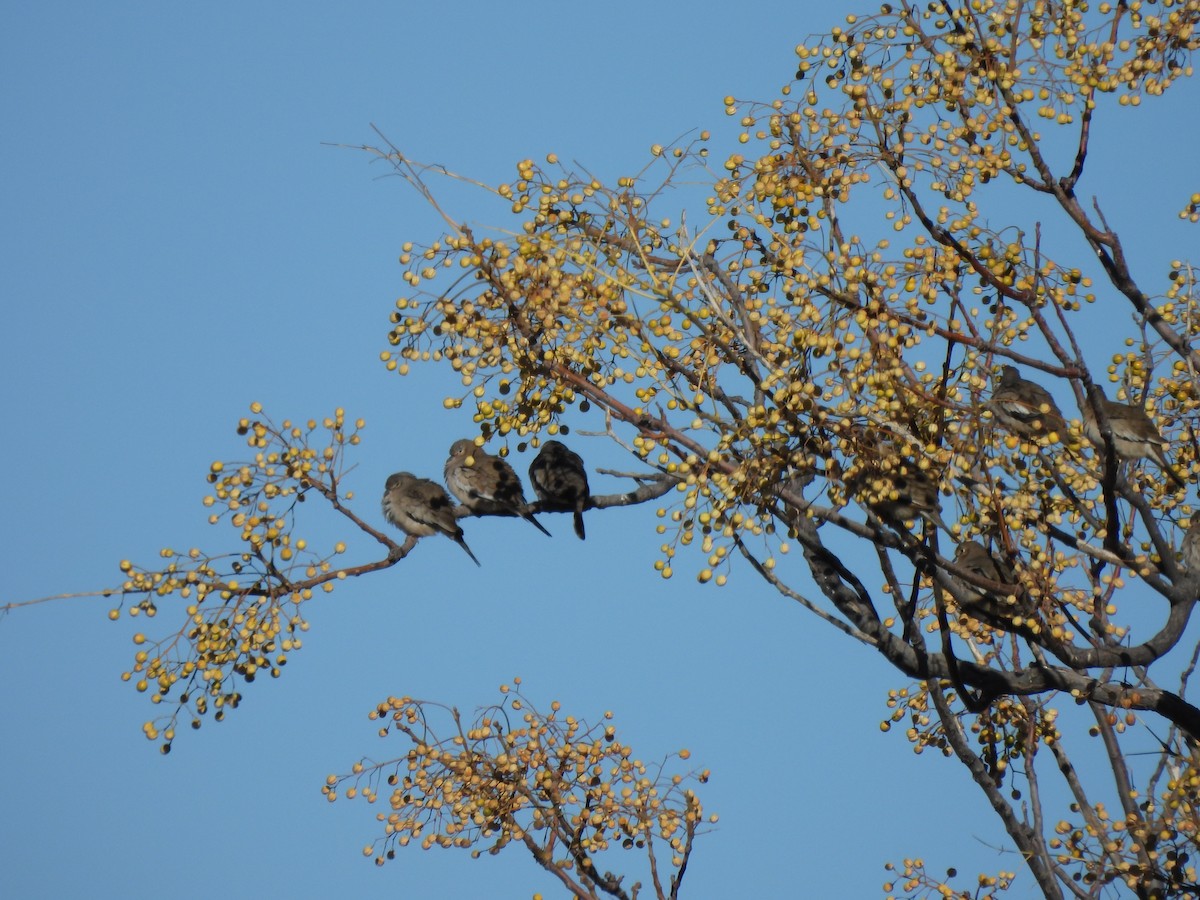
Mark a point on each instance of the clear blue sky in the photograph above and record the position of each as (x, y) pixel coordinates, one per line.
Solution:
(177, 242)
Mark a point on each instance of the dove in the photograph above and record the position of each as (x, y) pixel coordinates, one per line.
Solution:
(1134, 435)
(912, 494)
(420, 507)
(486, 484)
(972, 557)
(793, 481)
(560, 481)
(802, 469)
(1025, 408)
(1189, 549)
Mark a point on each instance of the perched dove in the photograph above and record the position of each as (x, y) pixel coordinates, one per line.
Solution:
(793, 481)
(1189, 549)
(560, 481)
(912, 494)
(421, 507)
(1025, 408)
(1134, 435)
(972, 557)
(486, 484)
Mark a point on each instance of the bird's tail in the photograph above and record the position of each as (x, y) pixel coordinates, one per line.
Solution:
(462, 543)
(528, 517)
(1166, 466)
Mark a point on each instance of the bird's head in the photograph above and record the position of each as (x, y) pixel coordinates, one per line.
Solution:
(399, 479)
(463, 449)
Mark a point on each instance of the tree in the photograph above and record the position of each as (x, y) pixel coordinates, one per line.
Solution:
(818, 364)
(565, 790)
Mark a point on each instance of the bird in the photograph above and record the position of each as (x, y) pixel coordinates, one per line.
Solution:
(560, 481)
(486, 484)
(793, 481)
(1134, 435)
(420, 507)
(975, 559)
(1024, 407)
(1189, 549)
(908, 493)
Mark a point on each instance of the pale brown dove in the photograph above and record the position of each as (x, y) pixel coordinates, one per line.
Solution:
(421, 507)
(906, 494)
(974, 558)
(486, 484)
(1026, 408)
(1134, 435)
(1189, 549)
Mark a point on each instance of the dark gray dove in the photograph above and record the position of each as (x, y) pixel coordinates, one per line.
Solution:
(560, 481)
